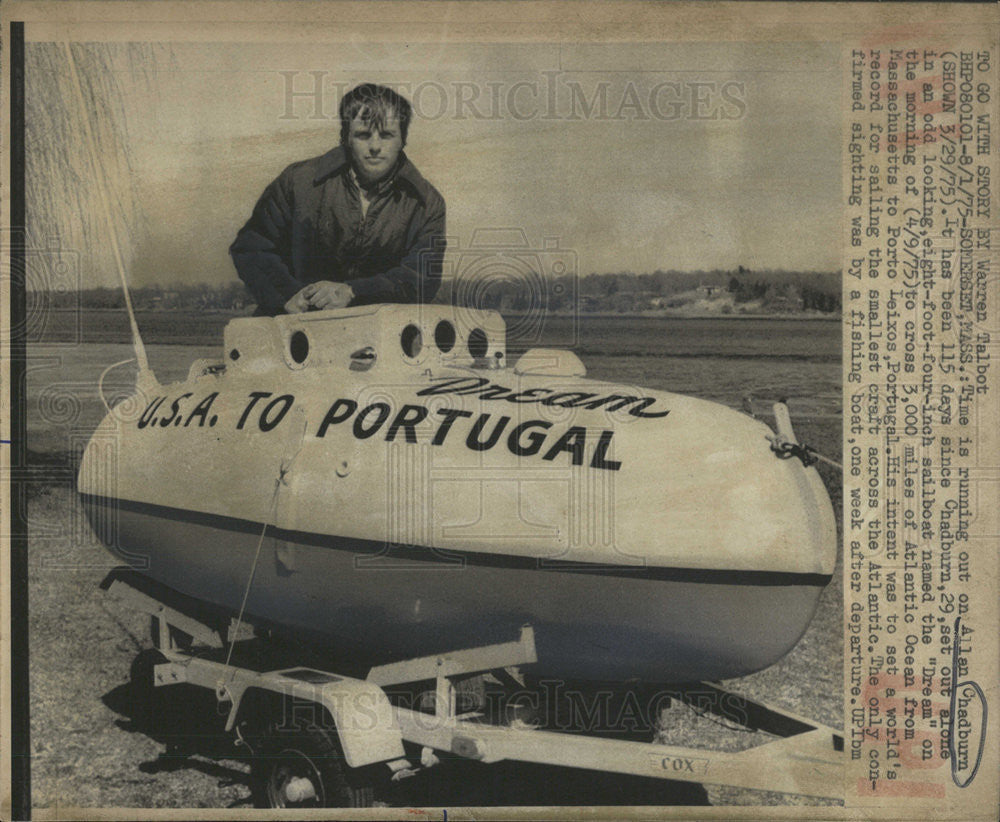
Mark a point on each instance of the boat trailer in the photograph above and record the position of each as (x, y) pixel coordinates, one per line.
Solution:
(364, 731)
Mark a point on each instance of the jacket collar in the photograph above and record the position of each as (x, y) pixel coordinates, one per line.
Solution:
(336, 159)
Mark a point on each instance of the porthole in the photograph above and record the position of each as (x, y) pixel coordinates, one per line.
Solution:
(411, 340)
(478, 343)
(298, 347)
(444, 336)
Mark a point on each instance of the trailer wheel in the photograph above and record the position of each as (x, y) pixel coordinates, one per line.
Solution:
(147, 700)
(307, 770)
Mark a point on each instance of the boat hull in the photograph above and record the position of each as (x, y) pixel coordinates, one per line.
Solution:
(379, 603)
(420, 500)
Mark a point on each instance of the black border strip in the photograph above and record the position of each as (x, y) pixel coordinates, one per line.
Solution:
(20, 692)
(418, 554)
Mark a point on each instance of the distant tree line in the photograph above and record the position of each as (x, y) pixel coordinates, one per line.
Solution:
(767, 291)
(626, 291)
(199, 297)
(811, 297)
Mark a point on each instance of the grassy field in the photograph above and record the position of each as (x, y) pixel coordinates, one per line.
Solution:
(587, 333)
(93, 748)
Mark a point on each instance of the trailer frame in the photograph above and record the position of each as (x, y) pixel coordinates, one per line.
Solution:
(805, 757)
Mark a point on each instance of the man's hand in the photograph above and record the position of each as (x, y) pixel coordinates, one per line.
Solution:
(299, 303)
(325, 294)
(321, 295)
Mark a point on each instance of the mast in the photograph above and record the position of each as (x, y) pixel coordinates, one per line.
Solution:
(146, 376)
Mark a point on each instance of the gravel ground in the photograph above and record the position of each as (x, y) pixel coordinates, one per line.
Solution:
(92, 748)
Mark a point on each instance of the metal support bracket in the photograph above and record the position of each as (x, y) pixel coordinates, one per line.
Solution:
(167, 616)
(458, 663)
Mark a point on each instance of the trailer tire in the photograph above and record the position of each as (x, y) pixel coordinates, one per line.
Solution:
(307, 770)
(146, 699)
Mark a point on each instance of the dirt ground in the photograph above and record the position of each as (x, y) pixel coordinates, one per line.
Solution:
(94, 746)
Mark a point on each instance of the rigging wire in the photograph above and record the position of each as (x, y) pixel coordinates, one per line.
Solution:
(100, 176)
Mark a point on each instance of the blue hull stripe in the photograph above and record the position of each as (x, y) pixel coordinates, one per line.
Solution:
(472, 558)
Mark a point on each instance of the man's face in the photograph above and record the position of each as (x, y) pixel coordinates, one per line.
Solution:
(374, 147)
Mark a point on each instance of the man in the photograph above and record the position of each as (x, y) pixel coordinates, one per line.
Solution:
(355, 226)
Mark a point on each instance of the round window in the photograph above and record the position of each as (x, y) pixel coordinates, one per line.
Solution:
(444, 336)
(411, 340)
(478, 343)
(298, 347)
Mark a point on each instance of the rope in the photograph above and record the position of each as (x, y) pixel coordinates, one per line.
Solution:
(283, 470)
(100, 381)
(827, 460)
(785, 449)
(221, 691)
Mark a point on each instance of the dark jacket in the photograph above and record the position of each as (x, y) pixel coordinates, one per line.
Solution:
(307, 226)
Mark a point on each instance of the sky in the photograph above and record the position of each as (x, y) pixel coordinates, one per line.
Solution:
(631, 157)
